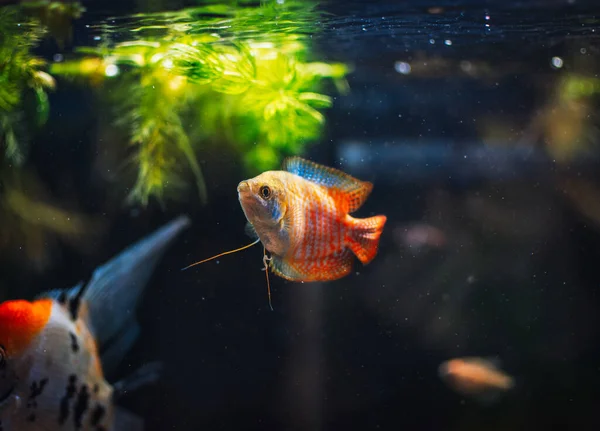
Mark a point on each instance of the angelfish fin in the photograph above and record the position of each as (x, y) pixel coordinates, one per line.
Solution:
(127, 421)
(69, 298)
(64, 296)
(114, 349)
(115, 288)
(57, 294)
(353, 192)
(363, 238)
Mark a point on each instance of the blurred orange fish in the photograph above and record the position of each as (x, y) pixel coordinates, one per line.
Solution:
(301, 215)
(476, 378)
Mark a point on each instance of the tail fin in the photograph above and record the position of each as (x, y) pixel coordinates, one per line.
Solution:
(127, 421)
(364, 237)
(118, 346)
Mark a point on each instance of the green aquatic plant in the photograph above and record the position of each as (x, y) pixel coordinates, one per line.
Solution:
(152, 112)
(261, 97)
(33, 223)
(235, 74)
(23, 83)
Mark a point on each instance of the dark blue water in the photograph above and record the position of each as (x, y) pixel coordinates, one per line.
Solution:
(450, 115)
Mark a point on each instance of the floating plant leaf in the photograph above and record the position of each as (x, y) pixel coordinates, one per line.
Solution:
(315, 99)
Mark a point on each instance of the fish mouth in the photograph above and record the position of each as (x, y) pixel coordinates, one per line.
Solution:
(243, 187)
(245, 195)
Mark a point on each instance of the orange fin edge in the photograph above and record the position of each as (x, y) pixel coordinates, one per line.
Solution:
(352, 191)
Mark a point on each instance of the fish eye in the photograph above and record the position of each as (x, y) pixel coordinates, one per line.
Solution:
(265, 192)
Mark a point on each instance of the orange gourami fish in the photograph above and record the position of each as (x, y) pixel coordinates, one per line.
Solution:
(476, 378)
(301, 215)
(55, 350)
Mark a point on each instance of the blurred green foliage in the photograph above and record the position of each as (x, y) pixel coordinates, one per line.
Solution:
(33, 223)
(55, 16)
(233, 73)
(23, 83)
(575, 86)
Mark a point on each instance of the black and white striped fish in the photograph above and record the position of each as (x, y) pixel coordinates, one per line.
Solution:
(55, 350)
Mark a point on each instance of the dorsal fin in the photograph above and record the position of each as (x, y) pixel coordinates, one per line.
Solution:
(70, 298)
(355, 191)
(115, 287)
(112, 293)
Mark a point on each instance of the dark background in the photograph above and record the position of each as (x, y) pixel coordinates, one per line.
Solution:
(517, 276)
